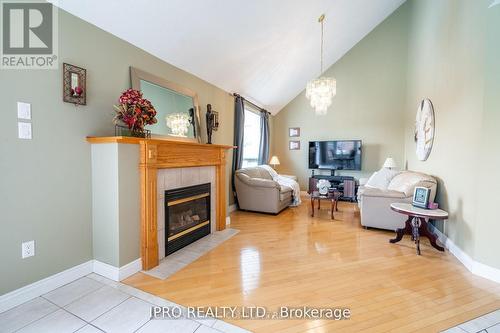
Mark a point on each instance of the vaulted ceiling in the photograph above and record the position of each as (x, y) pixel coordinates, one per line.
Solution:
(266, 50)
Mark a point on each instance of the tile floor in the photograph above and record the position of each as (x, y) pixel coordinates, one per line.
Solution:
(178, 260)
(96, 304)
(489, 323)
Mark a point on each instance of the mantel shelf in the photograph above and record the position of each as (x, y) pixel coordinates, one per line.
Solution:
(135, 140)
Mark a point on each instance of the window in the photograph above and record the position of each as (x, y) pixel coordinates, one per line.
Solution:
(251, 137)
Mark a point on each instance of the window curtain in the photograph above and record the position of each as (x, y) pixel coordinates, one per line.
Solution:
(264, 138)
(239, 127)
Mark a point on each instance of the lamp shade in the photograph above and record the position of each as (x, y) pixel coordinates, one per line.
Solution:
(390, 163)
(274, 160)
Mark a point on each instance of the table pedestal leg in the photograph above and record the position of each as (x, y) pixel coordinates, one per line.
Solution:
(424, 230)
(415, 236)
(417, 227)
(400, 232)
(312, 206)
(331, 209)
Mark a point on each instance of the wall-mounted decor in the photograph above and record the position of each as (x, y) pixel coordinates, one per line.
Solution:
(212, 118)
(74, 84)
(294, 132)
(170, 100)
(424, 129)
(294, 145)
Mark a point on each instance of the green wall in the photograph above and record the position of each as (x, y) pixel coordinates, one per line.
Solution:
(371, 94)
(46, 182)
(447, 51)
(454, 60)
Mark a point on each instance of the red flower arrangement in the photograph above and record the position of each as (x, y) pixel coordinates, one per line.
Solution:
(134, 111)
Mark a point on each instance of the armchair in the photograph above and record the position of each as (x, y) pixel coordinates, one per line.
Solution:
(257, 191)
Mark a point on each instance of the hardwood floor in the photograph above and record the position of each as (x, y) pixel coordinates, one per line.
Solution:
(295, 260)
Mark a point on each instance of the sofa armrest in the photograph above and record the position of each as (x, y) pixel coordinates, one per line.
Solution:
(258, 182)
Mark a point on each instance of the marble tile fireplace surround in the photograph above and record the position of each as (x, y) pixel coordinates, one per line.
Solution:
(129, 180)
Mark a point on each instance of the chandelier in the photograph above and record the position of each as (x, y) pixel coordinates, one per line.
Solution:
(320, 91)
(178, 124)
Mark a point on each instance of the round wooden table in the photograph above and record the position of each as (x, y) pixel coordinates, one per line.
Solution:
(417, 223)
(333, 196)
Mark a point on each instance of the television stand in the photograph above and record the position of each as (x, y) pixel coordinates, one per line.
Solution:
(345, 184)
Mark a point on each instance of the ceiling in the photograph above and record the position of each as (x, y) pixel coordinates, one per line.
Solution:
(265, 50)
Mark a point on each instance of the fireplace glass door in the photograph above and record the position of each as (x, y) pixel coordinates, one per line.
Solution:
(187, 216)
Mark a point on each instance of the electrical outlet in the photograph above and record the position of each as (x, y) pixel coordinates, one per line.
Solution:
(28, 249)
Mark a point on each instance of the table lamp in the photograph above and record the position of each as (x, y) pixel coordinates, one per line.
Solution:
(274, 161)
(390, 163)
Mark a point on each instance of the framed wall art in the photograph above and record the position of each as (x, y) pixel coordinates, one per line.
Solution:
(294, 145)
(74, 84)
(294, 132)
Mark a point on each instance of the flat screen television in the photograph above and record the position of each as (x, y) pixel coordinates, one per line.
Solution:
(335, 155)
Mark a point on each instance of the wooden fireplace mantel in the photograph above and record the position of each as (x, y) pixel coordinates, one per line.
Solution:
(157, 153)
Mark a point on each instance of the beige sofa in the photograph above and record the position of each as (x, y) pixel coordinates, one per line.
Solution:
(375, 203)
(257, 191)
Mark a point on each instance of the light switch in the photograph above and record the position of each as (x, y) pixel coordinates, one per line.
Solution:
(23, 110)
(24, 130)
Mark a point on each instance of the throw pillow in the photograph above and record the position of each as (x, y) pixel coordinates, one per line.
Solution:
(381, 178)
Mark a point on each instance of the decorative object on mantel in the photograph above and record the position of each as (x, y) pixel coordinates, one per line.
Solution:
(212, 118)
(135, 112)
(169, 98)
(424, 129)
(74, 84)
(321, 91)
(294, 145)
(179, 124)
(294, 132)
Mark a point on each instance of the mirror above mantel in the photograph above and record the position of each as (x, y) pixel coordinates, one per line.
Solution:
(178, 110)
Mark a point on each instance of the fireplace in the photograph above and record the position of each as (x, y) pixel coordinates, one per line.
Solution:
(187, 216)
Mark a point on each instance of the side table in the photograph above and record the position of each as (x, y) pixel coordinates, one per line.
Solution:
(417, 225)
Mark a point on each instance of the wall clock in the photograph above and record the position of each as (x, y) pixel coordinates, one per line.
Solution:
(424, 129)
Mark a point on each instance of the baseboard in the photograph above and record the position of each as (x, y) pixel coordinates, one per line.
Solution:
(117, 274)
(232, 208)
(130, 269)
(26, 293)
(475, 267)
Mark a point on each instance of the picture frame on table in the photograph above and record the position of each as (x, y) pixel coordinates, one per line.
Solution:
(421, 197)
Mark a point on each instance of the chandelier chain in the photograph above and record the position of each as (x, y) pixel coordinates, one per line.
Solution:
(321, 60)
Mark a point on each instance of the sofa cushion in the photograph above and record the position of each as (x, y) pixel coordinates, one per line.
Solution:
(381, 178)
(407, 181)
(376, 192)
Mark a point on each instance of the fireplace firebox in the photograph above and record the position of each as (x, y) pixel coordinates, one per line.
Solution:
(187, 216)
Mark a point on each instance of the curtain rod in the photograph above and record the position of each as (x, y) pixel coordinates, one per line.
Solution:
(253, 104)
